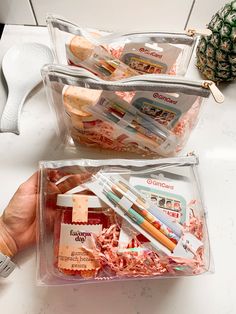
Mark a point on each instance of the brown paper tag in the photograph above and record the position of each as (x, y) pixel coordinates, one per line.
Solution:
(80, 208)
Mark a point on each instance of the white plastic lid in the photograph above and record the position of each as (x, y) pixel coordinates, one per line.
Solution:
(66, 200)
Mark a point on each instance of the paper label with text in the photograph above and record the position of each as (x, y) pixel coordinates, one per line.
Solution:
(74, 240)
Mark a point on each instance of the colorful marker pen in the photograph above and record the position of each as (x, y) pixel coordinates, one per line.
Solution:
(143, 223)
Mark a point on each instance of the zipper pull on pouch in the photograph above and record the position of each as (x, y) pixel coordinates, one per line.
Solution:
(195, 32)
(147, 115)
(144, 52)
(216, 93)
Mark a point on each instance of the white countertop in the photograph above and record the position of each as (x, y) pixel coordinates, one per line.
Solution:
(214, 140)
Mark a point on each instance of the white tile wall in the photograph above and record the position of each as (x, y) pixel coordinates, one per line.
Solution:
(118, 15)
(108, 14)
(16, 12)
(203, 11)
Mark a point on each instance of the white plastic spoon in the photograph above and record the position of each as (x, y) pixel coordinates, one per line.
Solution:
(21, 67)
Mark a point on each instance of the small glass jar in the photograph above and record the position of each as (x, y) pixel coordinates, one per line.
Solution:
(78, 219)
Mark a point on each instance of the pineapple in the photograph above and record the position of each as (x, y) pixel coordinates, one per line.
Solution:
(216, 54)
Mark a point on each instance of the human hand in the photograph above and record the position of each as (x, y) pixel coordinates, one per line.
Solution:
(18, 221)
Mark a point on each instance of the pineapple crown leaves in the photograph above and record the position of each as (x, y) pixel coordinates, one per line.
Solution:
(216, 53)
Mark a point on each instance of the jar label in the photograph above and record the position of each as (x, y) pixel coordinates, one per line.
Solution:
(75, 241)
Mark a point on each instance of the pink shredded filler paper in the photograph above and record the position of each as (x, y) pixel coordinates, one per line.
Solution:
(143, 263)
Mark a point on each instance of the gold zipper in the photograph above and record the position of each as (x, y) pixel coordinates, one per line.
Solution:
(216, 93)
(193, 32)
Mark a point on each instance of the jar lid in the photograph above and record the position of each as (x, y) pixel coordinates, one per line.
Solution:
(66, 200)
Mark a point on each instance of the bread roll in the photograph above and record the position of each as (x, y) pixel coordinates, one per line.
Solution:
(81, 48)
(77, 98)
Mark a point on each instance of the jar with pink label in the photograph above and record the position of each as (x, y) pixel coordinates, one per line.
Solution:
(79, 220)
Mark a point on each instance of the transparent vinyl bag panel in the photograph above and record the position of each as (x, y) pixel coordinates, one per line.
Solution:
(120, 219)
(145, 53)
(146, 122)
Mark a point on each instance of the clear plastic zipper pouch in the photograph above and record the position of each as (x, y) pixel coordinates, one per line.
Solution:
(120, 219)
(138, 53)
(148, 115)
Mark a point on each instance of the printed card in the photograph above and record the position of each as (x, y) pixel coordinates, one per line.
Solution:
(150, 58)
(164, 108)
(168, 191)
